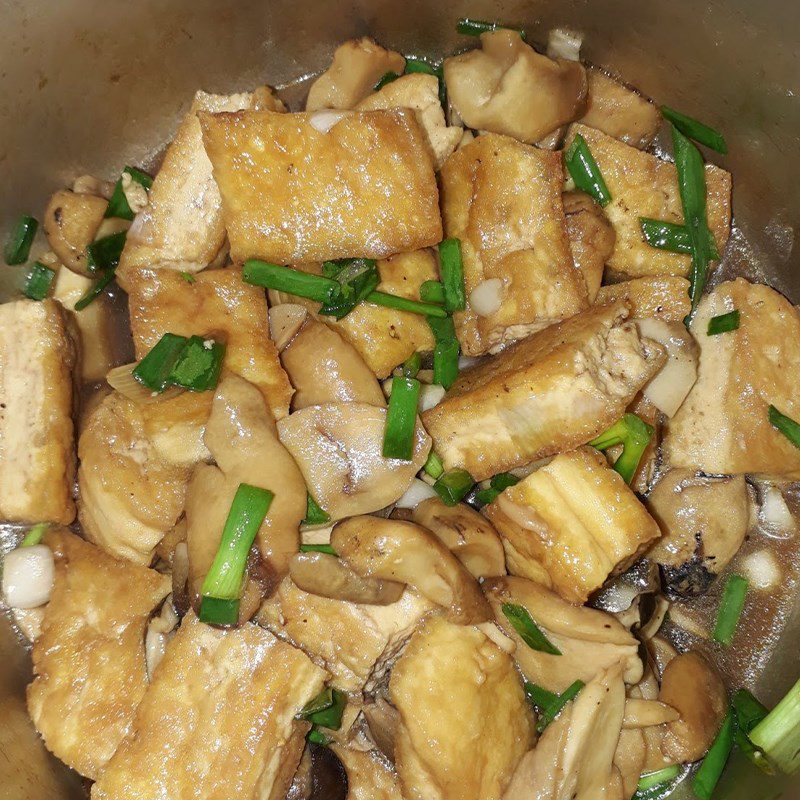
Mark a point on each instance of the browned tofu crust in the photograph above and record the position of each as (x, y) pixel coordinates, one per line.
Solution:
(664, 297)
(89, 662)
(218, 720)
(291, 194)
(218, 302)
(502, 199)
(37, 455)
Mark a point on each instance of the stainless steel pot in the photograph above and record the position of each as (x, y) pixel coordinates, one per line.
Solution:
(89, 85)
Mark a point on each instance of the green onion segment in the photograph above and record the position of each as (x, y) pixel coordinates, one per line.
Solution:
(724, 323)
(404, 304)
(445, 352)
(104, 254)
(433, 466)
(411, 366)
(222, 587)
(453, 486)
(650, 779)
(291, 281)
(585, 172)
(497, 484)
(529, 631)
(786, 425)
(668, 236)
(401, 419)
(548, 704)
(778, 734)
(20, 239)
(420, 65)
(356, 277)
(96, 289)
(706, 778)
(118, 204)
(318, 548)
(694, 129)
(325, 710)
(475, 27)
(315, 515)
(35, 535)
(387, 77)
(154, 369)
(634, 435)
(452, 270)
(39, 281)
(193, 363)
(188, 277)
(748, 712)
(432, 292)
(730, 609)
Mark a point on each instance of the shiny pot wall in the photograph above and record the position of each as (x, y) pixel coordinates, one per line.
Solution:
(90, 85)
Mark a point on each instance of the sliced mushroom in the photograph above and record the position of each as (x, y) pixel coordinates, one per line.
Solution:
(704, 521)
(285, 320)
(641, 713)
(383, 720)
(507, 87)
(338, 448)
(469, 536)
(71, 222)
(402, 551)
(589, 640)
(328, 576)
(692, 687)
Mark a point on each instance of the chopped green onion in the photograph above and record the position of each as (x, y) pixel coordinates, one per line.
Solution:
(412, 365)
(104, 254)
(497, 484)
(539, 696)
(18, 244)
(318, 548)
(650, 779)
(96, 289)
(453, 486)
(387, 77)
(724, 323)
(730, 609)
(38, 284)
(118, 204)
(35, 535)
(315, 515)
(433, 466)
(778, 734)
(188, 277)
(291, 281)
(154, 370)
(786, 425)
(432, 292)
(199, 365)
(452, 268)
(522, 622)
(326, 709)
(357, 277)
(585, 172)
(404, 304)
(748, 713)
(706, 778)
(401, 419)
(317, 737)
(475, 27)
(420, 65)
(548, 704)
(668, 236)
(445, 351)
(696, 130)
(222, 587)
(634, 435)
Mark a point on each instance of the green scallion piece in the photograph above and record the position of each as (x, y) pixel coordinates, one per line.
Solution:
(188, 277)
(104, 254)
(786, 425)
(35, 535)
(539, 697)
(707, 777)
(777, 736)
(748, 713)
(291, 281)
(529, 631)
(318, 548)
(314, 514)
(452, 269)
(730, 609)
(696, 130)
(445, 352)
(326, 709)
(96, 289)
(404, 304)
(317, 737)
(199, 365)
(387, 77)
(118, 206)
(666, 235)
(433, 466)
(419, 65)
(553, 709)
(411, 365)
(585, 172)
(154, 370)
(634, 435)
(39, 281)
(401, 419)
(650, 779)
(357, 277)
(453, 486)
(475, 27)
(497, 484)
(18, 244)
(222, 587)
(724, 323)
(432, 292)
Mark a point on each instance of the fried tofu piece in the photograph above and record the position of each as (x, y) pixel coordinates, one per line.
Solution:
(369, 777)
(723, 428)
(181, 227)
(576, 520)
(357, 66)
(465, 722)
(548, 393)
(419, 92)
(218, 720)
(665, 297)
(89, 662)
(292, 194)
(502, 199)
(218, 302)
(619, 111)
(37, 453)
(383, 336)
(643, 185)
(355, 643)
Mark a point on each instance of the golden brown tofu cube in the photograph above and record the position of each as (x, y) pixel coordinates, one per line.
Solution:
(37, 451)
(502, 199)
(218, 302)
(723, 426)
(643, 185)
(665, 298)
(293, 194)
(573, 520)
(548, 393)
(218, 720)
(89, 662)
